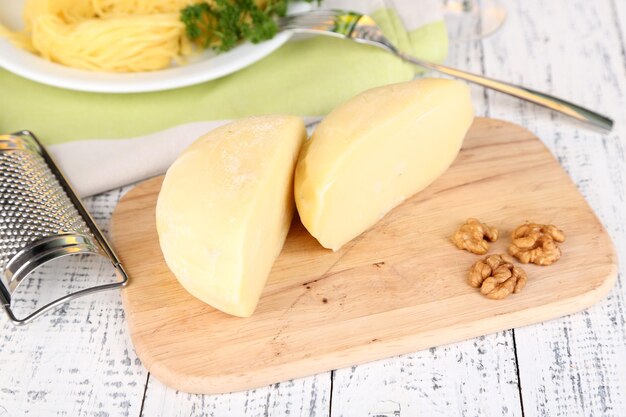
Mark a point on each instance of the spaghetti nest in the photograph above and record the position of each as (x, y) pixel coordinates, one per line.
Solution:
(105, 35)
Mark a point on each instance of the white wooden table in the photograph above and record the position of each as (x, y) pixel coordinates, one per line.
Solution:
(79, 360)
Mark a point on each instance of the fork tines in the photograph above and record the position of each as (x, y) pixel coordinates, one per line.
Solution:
(313, 19)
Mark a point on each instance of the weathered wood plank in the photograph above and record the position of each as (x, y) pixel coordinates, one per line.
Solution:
(573, 366)
(299, 398)
(474, 378)
(78, 360)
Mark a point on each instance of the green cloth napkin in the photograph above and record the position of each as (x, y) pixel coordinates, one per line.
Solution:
(307, 77)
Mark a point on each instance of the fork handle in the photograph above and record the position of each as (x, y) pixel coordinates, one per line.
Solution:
(542, 99)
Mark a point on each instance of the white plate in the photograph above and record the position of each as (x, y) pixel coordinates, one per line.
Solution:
(204, 67)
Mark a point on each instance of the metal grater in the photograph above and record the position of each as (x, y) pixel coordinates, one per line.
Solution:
(41, 219)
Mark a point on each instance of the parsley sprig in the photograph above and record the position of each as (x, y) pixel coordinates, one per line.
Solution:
(222, 24)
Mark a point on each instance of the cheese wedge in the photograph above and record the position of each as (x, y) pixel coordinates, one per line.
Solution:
(376, 150)
(225, 207)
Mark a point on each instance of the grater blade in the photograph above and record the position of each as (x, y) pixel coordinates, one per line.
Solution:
(41, 219)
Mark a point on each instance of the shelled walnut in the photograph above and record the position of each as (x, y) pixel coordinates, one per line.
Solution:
(497, 277)
(536, 243)
(473, 236)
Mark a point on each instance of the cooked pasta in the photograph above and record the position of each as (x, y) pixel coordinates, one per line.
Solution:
(112, 8)
(104, 35)
(17, 38)
(69, 11)
(123, 44)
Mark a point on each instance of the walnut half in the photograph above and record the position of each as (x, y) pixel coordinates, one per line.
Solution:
(536, 243)
(497, 277)
(473, 236)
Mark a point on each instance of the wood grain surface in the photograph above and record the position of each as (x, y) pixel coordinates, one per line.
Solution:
(568, 367)
(397, 288)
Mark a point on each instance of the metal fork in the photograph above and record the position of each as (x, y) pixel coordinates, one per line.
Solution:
(362, 29)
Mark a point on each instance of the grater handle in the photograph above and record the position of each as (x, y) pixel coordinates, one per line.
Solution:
(50, 306)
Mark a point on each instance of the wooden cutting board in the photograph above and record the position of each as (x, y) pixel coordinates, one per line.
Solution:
(399, 287)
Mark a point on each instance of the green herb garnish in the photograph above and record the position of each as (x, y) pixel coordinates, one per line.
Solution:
(222, 24)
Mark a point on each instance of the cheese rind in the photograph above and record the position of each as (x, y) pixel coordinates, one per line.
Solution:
(376, 150)
(225, 207)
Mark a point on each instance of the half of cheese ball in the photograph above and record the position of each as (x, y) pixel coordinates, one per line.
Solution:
(225, 207)
(376, 150)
